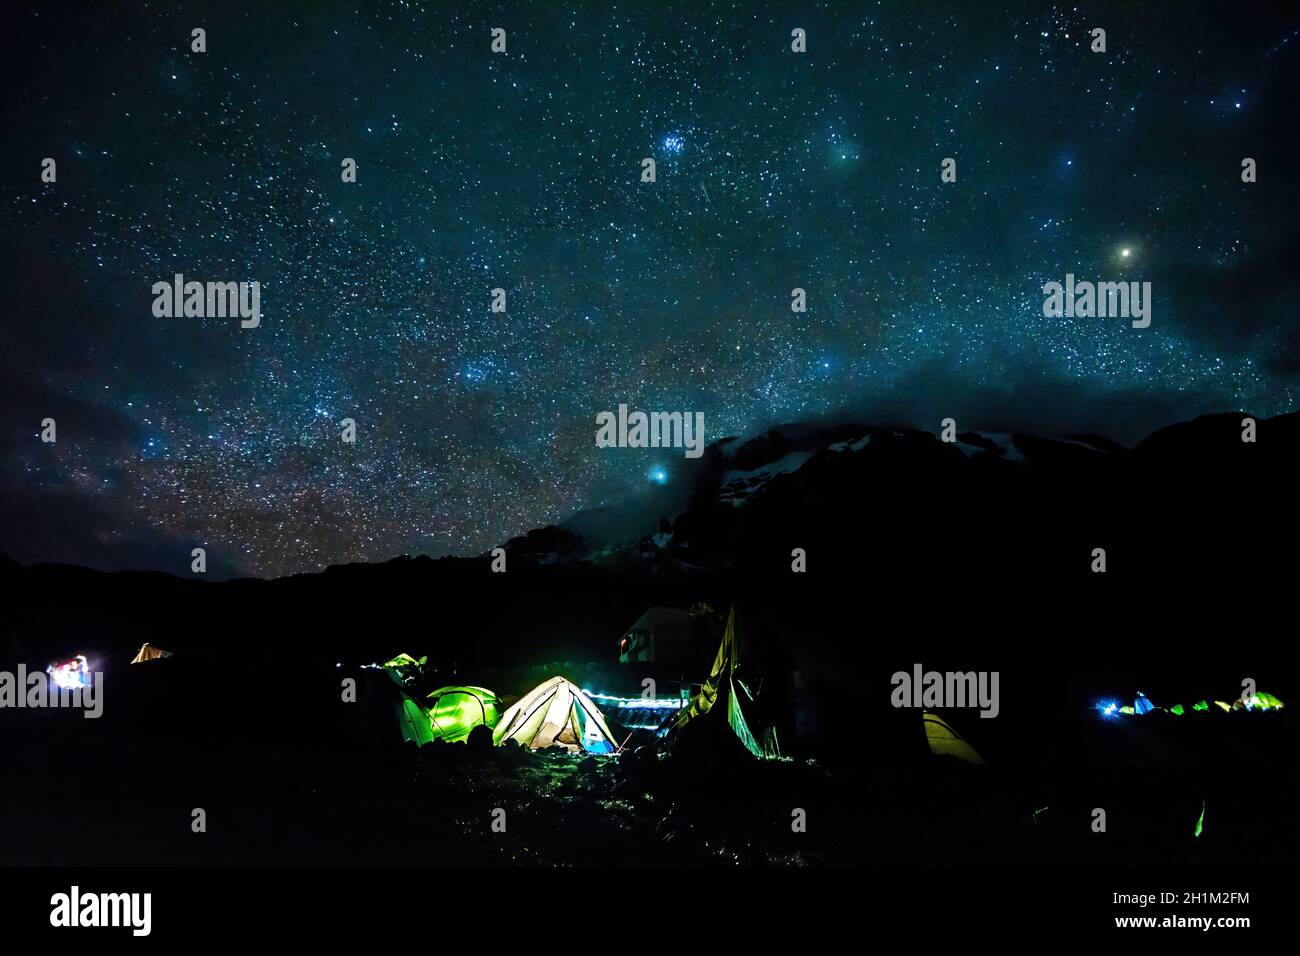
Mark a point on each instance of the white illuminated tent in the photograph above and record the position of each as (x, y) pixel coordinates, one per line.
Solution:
(149, 653)
(556, 714)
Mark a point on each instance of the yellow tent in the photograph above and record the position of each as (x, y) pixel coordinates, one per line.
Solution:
(150, 653)
(946, 742)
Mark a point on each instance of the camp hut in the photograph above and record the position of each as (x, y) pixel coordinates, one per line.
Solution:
(661, 634)
(454, 711)
(148, 652)
(556, 713)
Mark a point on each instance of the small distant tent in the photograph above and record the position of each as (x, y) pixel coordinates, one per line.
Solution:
(726, 687)
(149, 653)
(946, 742)
(1141, 705)
(454, 711)
(405, 660)
(556, 713)
(404, 669)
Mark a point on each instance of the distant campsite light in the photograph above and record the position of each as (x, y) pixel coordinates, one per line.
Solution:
(1142, 705)
(659, 475)
(70, 674)
(1263, 701)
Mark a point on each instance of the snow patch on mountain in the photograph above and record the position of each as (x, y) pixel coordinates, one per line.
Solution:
(858, 445)
(1004, 442)
(738, 486)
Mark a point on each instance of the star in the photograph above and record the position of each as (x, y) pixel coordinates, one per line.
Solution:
(477, 172)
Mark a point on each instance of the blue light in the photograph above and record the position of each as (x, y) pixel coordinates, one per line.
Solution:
(659, 475)
(674, 143)
(1108, 708)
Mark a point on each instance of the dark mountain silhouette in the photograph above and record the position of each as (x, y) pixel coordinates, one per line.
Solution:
(1190, 500)
(997, 528)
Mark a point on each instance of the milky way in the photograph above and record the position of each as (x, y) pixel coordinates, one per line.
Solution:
(522, 171)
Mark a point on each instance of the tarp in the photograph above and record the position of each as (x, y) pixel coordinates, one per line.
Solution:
(946, 742)
(454, 711)
(149, 653)
(556, 713)
(724, 684)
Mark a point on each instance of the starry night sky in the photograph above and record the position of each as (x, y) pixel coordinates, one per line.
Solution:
(522, 170)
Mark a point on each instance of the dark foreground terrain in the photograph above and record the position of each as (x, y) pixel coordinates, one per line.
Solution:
(290, 794)
(973, 558)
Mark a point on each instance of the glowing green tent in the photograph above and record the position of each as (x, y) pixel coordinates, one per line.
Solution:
(405, 660)
(405, 670)
(413, 721)
(454, 711)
